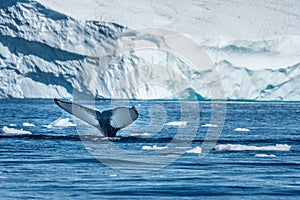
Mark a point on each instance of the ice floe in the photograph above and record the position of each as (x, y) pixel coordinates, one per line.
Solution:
(209, 125)
(195, 150)
(242, 129)
(7, 130)
(27, 124)
(176, 123)
(265, 155)
(61, 122)
(155, 147)
(239, 147)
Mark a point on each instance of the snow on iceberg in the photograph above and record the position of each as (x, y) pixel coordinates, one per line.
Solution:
(7, 130)
(239, 147)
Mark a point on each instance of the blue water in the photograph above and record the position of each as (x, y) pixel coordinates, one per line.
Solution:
(60, 162)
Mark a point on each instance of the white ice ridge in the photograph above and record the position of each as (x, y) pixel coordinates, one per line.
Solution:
(265, 155)
(239, 147)
(7, 130)
(176, 123)
(155, 147)
(197, 150)
(61, 122)
(209, 125)
(241, 129)
(27, 124)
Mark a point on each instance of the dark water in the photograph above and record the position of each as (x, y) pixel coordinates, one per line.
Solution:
(65, 162)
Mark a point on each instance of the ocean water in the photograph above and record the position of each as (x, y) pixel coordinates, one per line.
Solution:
(255, 155)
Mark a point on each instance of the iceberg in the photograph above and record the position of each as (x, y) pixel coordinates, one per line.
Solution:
(44, 54)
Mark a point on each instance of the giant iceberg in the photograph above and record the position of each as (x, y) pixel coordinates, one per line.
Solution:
(46, 54)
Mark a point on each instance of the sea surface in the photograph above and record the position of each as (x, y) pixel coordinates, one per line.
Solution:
(175, 150)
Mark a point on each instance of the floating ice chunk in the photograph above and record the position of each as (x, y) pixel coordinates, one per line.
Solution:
(12, 125)
(61, 122)
(7, 130)
(113, 175)
(265, 155)
(177, 123)
(241, 129)
(209, 125)
(239, 147)
(195, 150)
(27, 124)
(140, 134)
(155, 147)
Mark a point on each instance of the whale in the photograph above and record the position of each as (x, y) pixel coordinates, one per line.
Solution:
(108, 122)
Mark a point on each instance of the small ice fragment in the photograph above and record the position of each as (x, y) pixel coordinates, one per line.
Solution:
(27, 124)
(265, 155)
(241, 129)
(176, 123)
(7, 130)
(195, 150)
(155, 147)
(209, 125)
(140, 134)
(61, 122)
(113, 175)
(239, 147)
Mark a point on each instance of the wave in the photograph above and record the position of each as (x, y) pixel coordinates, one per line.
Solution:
(239, 147)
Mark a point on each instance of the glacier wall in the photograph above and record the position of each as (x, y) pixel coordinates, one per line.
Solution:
(43, 55)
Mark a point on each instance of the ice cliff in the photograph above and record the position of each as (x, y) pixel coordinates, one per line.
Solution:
(43, 54)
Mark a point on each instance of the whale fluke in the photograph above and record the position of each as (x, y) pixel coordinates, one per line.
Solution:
(109, 122)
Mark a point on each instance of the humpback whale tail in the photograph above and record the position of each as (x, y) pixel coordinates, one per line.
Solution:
(109, 122)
